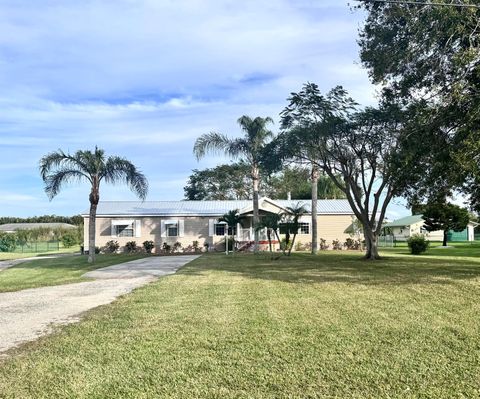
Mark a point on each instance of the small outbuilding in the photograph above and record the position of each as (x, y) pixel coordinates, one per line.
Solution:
(402, 229)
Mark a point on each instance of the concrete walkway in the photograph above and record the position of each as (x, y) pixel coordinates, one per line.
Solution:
(28, 314)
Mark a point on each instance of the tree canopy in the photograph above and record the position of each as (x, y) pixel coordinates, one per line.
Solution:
(428, 58)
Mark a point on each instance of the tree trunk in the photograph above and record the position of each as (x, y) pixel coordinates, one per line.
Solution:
(256, 214)
(445, 237)
(92, 232)
(269, 236)
(314, 209)
(371, 241)
(94, 199)
(293, 243)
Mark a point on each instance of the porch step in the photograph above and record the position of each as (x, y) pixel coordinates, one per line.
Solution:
(246, 246)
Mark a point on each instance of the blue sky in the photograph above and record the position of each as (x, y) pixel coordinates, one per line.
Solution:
(144, 78)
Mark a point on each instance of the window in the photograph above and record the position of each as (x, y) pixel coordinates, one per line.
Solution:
(172, 229)
(124, 230)
(304, 228)
(219, 229)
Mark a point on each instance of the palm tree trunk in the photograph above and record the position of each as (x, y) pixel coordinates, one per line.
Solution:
(92, 232)
(256, 214)
(445, 238)
(94, 199)
(314, 209)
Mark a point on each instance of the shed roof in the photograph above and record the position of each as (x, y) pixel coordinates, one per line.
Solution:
(205, 208)
(405, 221)
(30, 226)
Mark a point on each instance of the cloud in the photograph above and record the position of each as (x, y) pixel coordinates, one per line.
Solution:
(144, 78)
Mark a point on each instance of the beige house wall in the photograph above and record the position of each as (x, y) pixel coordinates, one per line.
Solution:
(330, 227)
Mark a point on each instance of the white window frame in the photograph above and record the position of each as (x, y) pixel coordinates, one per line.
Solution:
(304, 224)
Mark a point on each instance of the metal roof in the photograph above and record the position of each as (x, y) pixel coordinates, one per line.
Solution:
(405, 221)
(29, 226)
(205, 208)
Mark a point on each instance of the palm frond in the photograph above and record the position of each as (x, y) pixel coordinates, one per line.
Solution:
(120, 170)
(213, 143)
(56, 180)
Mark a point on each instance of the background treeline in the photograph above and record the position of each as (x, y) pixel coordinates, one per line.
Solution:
(233, 182)
(76, 220)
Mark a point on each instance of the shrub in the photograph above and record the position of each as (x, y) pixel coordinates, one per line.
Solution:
(417, 244)
(111, 246)
(196, 246)
(323, 244)
(166, 248)
(69, 239)
(350, 243)
(337, 245)
(8, 242)
(131, 246)
(148, 245)
(176, 247)
(206, 245)
(97, 250)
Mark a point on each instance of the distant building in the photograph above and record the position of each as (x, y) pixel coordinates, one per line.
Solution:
(13, 227)
(402, 229)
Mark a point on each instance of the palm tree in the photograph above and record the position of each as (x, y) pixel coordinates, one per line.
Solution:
(293, 223)
(232, 219)
(59, 168)
(271, 222)
(250, 148)
(314, 178)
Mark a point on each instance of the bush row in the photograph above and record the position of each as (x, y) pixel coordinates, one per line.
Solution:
(147, 246)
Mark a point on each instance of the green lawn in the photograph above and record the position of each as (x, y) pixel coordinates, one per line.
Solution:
(330, 326)
(18, 255)
(42, 272)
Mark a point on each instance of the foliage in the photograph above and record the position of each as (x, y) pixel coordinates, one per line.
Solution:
(8, 242)
(111, 246)
(131, 246)
(249, 148)
(232, 182)
(444, 216)
(429, 59)
(271, 222)
(176, 247)
(166, 248)
(148, 246)
(291, 223)
(337, 245)
(196, 246)
(206, 245)
(323, 244)
(59, 168)
(356, 148)
(352, 244)
(70, 238)
(418, 244)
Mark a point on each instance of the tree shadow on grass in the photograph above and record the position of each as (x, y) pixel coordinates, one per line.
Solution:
(339, 268)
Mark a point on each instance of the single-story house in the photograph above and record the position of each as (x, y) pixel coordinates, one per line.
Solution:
(402, 229)
(188, 221)
(13, 227)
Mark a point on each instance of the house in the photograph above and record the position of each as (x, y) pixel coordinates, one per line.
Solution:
(402, 229)
(13, 227)
(188, 221)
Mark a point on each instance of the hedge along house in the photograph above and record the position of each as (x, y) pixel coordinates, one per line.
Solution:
(189, 221)
(402, 229)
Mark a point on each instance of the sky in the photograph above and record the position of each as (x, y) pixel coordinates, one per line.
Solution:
(143, 79)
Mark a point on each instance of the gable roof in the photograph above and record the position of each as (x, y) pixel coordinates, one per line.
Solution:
(206, 208)
(405, 221)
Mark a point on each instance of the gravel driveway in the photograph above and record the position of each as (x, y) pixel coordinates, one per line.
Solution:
(28, 314)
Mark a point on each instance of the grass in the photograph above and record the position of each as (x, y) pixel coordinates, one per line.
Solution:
(19, 255)
(330, 326)
(63, 270)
